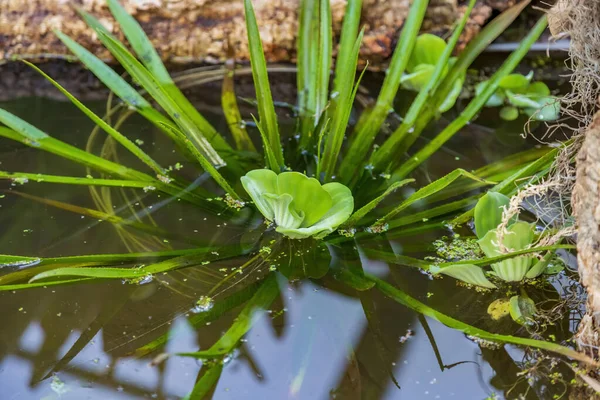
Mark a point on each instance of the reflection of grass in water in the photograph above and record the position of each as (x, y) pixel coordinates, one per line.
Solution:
(322, 125)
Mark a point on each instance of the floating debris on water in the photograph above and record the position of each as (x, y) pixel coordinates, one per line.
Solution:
(58, 386)
(22, 263)
(149, 188)
(204, 304)
(378, 228)
(20, 180)
(347, 232)
(233, 203)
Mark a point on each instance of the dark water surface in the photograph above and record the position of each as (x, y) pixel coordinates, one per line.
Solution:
(318, 340)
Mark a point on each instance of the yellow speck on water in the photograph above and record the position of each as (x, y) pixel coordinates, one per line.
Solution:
(499, 308)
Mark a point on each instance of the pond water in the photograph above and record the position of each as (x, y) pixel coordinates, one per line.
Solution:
(318, 339)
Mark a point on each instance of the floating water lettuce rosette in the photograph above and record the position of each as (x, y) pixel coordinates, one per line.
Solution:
(299, 206)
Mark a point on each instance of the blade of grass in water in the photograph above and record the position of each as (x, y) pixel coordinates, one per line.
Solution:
(263, 298)
(71, 180)
(428, 190)
(232, 111)
(146, 52)
(474, 105)
(22, 286)
(475, 47)
(120, 87)
(219, 308)
(412, 303)
(307, 54)
(201, 256)
(206, 382)
(118, 136)
(113, 219)
(324, 59)
(266, 110)
(31, 136)
(383, 155)
(156, 90)
(30, 267)
(516, 180)
(359, 214)
(362, 140)
(431, 213)
(341, 115)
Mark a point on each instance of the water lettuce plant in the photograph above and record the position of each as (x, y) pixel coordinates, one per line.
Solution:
(300, 206)
(516, 94)
(316, 184)
(518, 236)
(428, 50)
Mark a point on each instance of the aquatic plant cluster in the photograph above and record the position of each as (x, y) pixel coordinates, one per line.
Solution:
(332, 189)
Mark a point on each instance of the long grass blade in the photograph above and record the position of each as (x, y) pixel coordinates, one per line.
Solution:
(307, 53)
(428, 190)
(144, 49)
(118, 85)
(363, 139)
(364, 210)
(205, 384)
(412, 303)
(113, 219)
(266, 109)
(341, 115)
(263, 298)
(128, 273)
(118, 136)
(31, 136)
(324, 59)
(383, 155)
(70, 180)
(232, 111)
(155, 89)
(475, 105)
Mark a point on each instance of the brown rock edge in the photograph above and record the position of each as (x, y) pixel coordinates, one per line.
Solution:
(199, 31)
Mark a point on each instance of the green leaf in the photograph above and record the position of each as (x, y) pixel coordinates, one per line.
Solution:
(425, 82)
(548, 109)
(418, 79)
(509, 113)
(124, 141)
(310, 198)
(538, 89)
(468, 273)
(144, 49)
(514, 82)
(340, 115)
(261, 300)
(488, 212)
(453, 95)
(232, 112)
(258, 182)
(412, 303)
(519, 236)
(266, 109)
(499, 308)
(496, 100)
(522, 310)
(204, 385)
(521, 100)
(367, 208)
(427, 50)
(428, 190)
(343, 205)
(363, 138)
(539, 266)
(475, 105)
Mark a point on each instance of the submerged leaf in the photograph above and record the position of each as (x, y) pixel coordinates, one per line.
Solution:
(509, 113)
(522, 310)
(499, 308)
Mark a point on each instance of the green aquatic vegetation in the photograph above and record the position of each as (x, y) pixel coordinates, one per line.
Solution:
(428, 51)
(516, 94)
(300, 206)
(517, 236)
(315, 185)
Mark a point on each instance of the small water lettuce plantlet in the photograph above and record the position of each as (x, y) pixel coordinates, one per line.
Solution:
(519, 235)
(421, 66)
(300, 206)
(516, 94)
